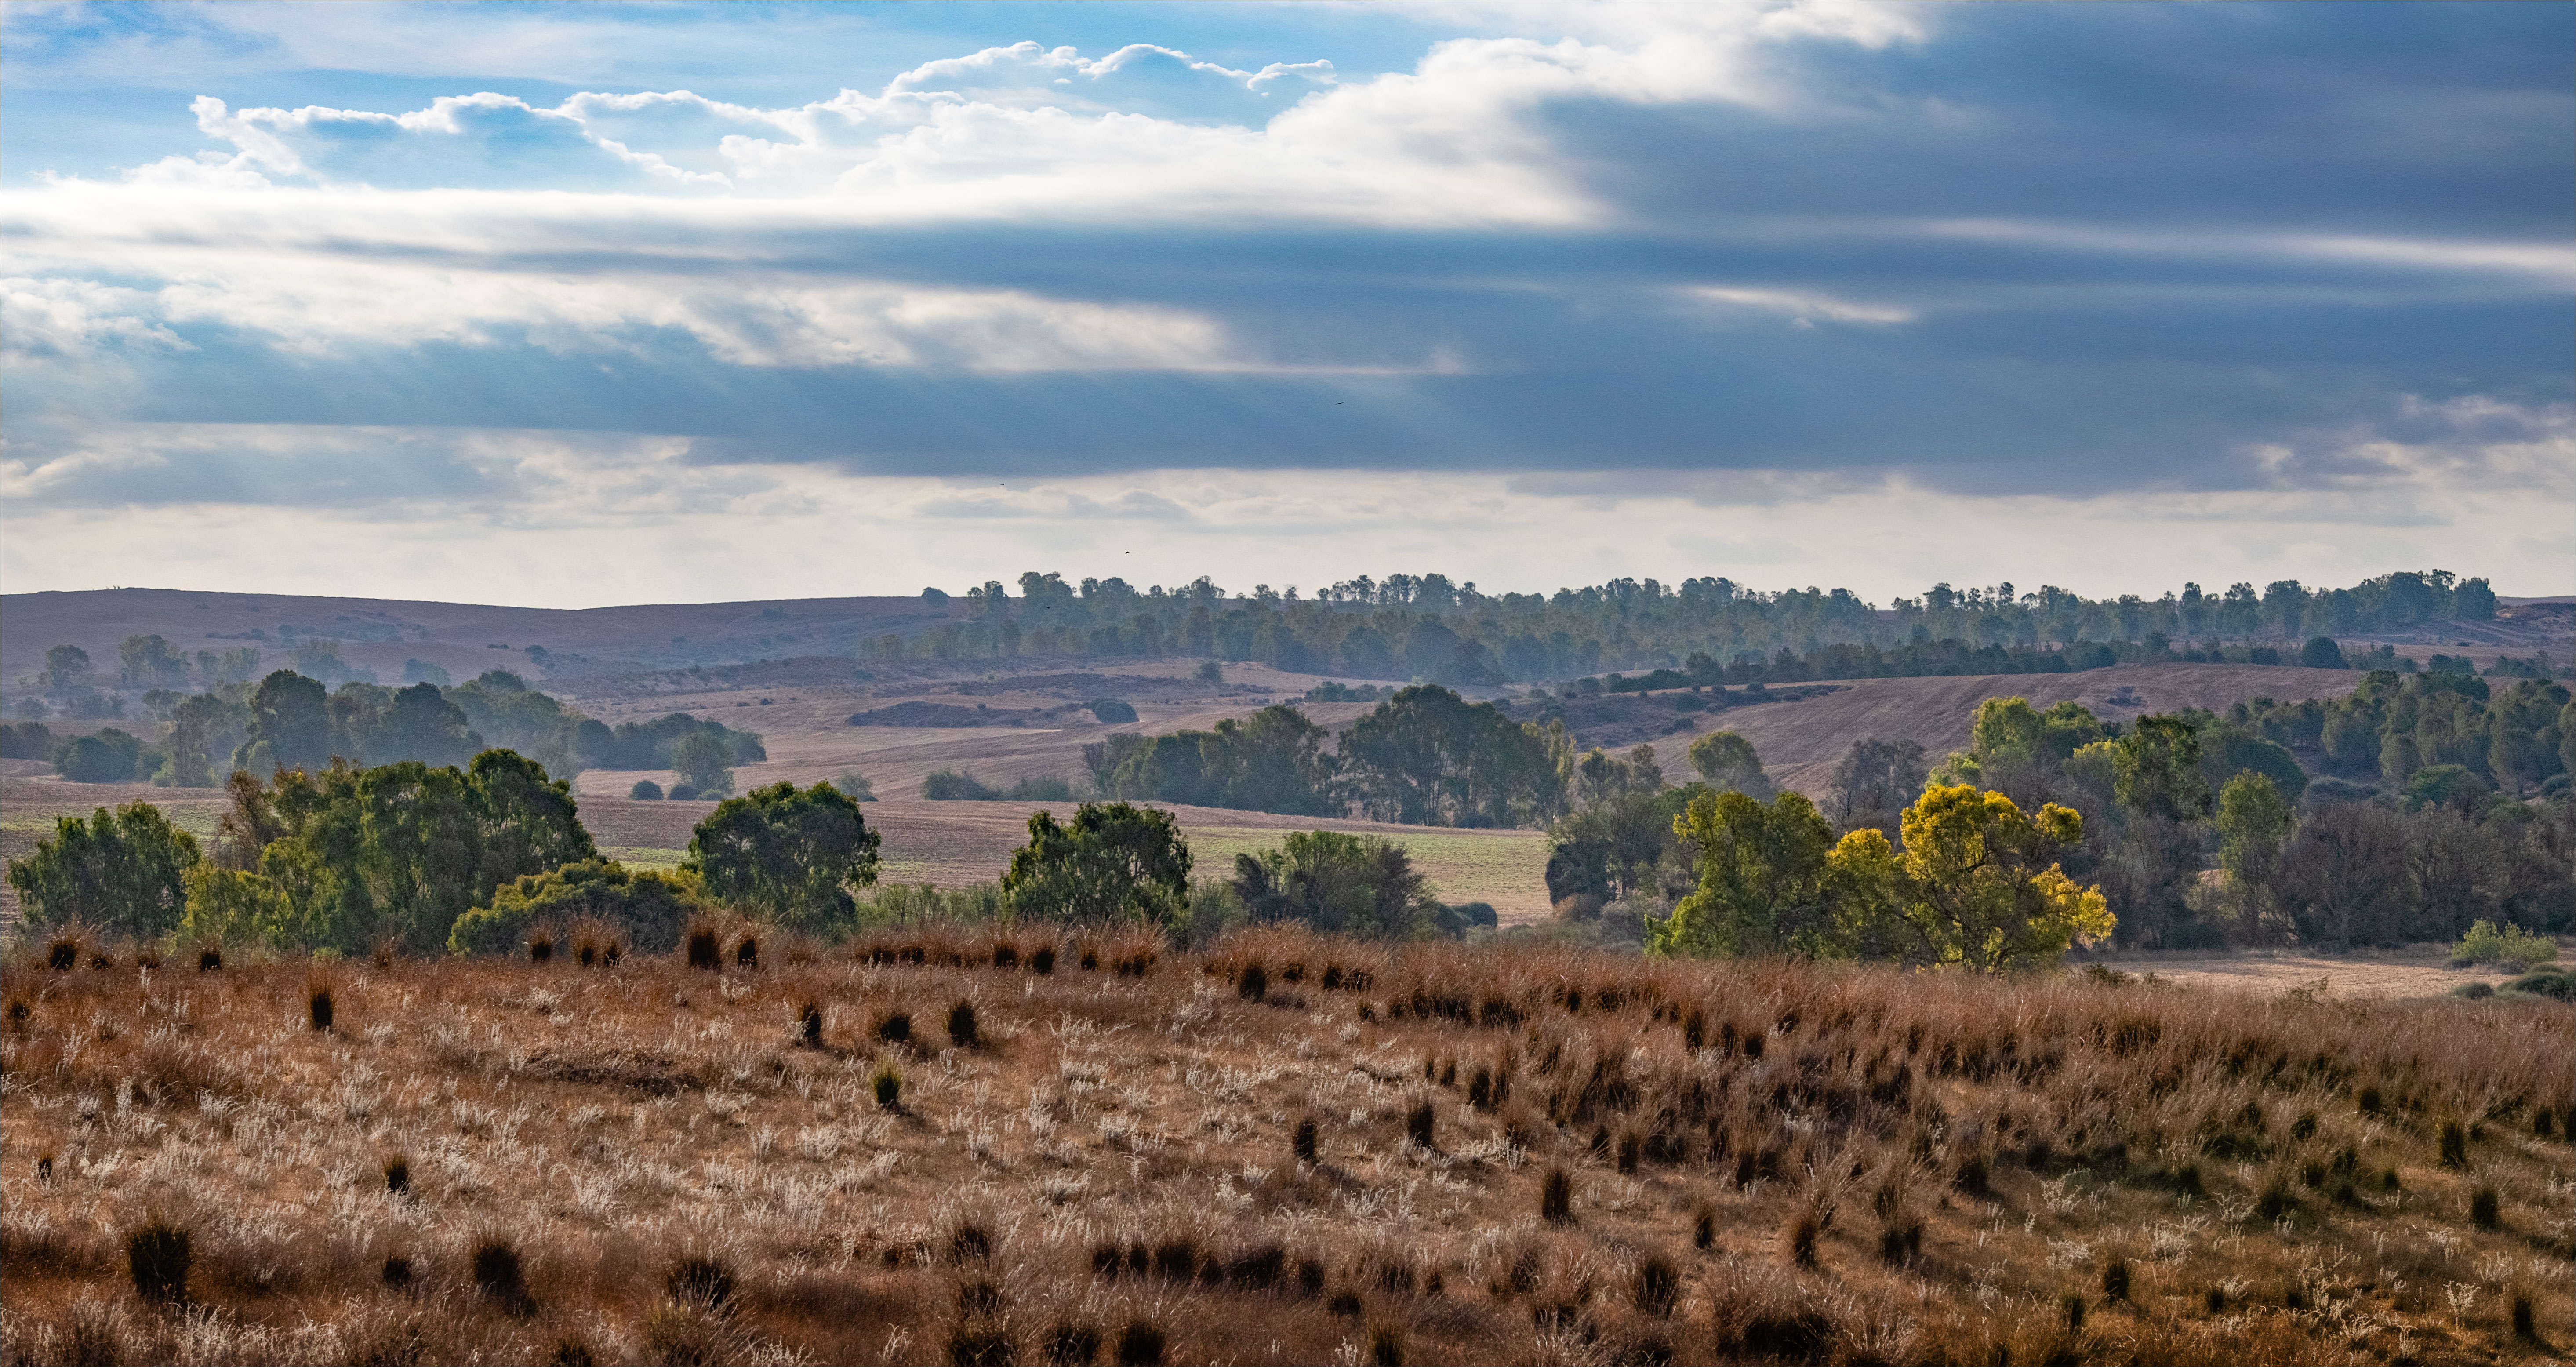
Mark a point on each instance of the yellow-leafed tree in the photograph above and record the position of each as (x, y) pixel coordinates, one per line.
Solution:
(1978, 881)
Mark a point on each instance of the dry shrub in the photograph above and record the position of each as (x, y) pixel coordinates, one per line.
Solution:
(158, 1255)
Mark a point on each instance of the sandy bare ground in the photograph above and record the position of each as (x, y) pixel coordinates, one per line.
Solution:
(2410, 971)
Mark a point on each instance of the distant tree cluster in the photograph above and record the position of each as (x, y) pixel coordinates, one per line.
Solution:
(293, 721)
(1425, 756)
(1431, 628)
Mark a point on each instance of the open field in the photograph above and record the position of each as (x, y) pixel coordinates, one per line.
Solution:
(1759, 1162)
(2404, 971)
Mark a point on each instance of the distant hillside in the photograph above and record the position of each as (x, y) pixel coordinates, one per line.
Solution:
(464, 639)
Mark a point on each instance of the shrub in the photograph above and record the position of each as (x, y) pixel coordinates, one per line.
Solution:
(646, 908)
(896, 1028)
(1556, 1197)
(2455, 1145)
(888, 1085)
(681, 792)
(2275, 1200)
(645, 790)
(1301, 1141)
(320, 1008)
(398, 1174)
(747, 953)
(1386, 1346)
(397, 1271)
(961, 1025)
(1703, 1226)
(2524, 1326)
(2473, 991)
(2488, 943)
(2555, 983)
(1042, 961)
(158, 1255)
(2484, 1211)
(1417, 1123)
(703, 951)
(1254, 984)
(62, 956)
(809, 1025)
(2074, 1308)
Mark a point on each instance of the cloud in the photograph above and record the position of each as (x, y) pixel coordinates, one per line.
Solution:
(562, 522)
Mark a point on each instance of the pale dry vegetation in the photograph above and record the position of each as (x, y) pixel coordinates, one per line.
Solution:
(1287, 1149)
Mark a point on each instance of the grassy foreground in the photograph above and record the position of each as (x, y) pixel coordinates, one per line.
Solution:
(1285, 1150)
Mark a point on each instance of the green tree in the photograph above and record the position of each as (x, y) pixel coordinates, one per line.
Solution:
(120, 873)
(703, 762)
(1621, 846)
(204, 732)
(1979, 883)
(149, 662)
(290, 725)
(109, 756)
(229, 906)
(394, 854)
(2254, 824)
(1765, 884)
(651, 909)
(1727, 761)
(66, 668)
(1338, 884)
(1429, 757)
(2156, 770)
(1113, 862)
(420, 723)
(794, 855)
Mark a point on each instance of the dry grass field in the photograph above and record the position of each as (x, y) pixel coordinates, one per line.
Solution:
(1440, 1154)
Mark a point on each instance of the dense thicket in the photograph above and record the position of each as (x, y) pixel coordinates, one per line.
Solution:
(1426, 626)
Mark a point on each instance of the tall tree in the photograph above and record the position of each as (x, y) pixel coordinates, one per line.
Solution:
(290, 725)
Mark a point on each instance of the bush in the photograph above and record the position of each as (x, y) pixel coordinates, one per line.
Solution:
(1112, 711)
(888, 1085)
(2509, 944)
(647, 907)
(645, 790)
(2484, 1210)
(2555, 983)
(1556, 1197)
(961, 1025)
(496, 1272)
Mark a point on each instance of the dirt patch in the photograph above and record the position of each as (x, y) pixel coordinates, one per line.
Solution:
(2410, 971)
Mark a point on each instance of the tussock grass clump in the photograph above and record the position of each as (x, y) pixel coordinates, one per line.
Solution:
(1659, 1285)
(1070, 1343)
(1301, 1140)
(2115, 1281)
(541, 949)
(1805, 1229)
(318, 1007)
(809, 1025)
(962, 1029)
(887, 1085)
(158, 1255)
(397, 1272)
(703, 1280)
(2484, 1210)
(62, 956)
(1556, 1197)
(1253, 984)
(493, 1265)
(1140, 1343)
(209, 959)
(1418, 1121)
(1386, 1345)
(2455, 1145)
(747, 953)
(704, 949)
(1042, 963)
(397, 1169)
(895, 1027)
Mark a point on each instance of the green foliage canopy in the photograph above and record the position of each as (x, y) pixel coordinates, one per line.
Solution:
(120, 872)
(1113, 862)
(794, 854)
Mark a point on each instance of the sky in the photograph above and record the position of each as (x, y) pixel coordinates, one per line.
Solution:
(578, 305)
